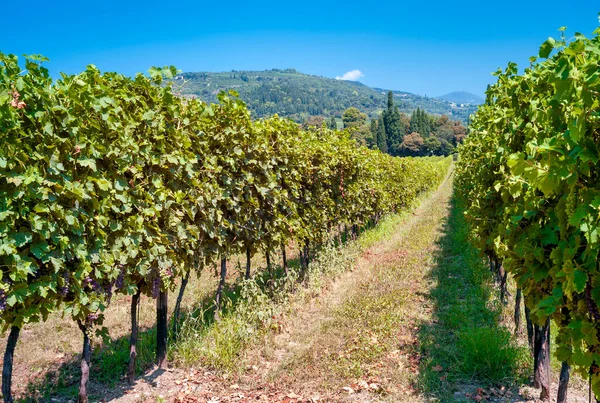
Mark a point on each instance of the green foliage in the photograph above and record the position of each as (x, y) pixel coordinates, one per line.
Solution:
(333, 123)
(421, 122)
(113, 184)
(529, 170)
(382, 143)
(356, 123)
(393, 126)
(352, 117)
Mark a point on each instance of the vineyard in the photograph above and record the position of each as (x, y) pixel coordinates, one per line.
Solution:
(118, 190)
(529, 170)
(116, 185)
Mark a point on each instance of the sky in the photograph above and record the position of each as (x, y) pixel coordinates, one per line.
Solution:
(424, 47)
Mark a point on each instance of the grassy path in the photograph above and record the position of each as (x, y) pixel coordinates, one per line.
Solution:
(360, 339)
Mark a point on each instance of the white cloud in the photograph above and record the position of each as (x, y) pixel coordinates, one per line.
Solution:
(353, 75)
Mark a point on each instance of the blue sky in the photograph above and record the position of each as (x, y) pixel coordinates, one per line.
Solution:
(424, 47)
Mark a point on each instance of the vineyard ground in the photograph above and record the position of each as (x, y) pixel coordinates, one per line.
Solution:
(415, 319)
(47, 355)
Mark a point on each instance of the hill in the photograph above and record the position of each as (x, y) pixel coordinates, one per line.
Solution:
(462, 97)
(296, 95)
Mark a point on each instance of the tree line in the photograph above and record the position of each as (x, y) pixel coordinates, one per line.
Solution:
(398, 134)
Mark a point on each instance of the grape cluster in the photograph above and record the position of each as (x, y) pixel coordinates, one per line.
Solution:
(108, 291)
(92, 284)
(91, 318)
(64, 290)
(121, 279)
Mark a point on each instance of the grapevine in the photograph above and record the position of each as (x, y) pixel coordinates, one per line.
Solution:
(530, 171)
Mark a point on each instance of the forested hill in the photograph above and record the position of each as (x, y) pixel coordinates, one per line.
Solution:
(296, 95)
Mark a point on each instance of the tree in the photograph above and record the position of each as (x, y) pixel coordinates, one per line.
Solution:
(432, 145)
(393, 125)
(421, 122)
(414, 122)
(412, 145)
(405, 120)
(381, 137)
(445, 147)
(444, 130)
(373, 142)
(352, 117)
(313, 121)
(356, 122)
(333, 123)
(460, 132)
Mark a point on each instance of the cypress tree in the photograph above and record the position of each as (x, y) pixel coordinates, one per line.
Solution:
(374, 142)
(393, 126)
(414, 121)
(427, 124)
(382, 143)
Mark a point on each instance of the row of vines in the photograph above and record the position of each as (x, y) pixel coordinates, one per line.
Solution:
(530, 170)
(112, 184)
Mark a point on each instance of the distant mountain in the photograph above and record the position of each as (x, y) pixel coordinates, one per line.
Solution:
(462, 97)
(292, 94)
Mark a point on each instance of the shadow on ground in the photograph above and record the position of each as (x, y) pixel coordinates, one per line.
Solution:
(464, 346)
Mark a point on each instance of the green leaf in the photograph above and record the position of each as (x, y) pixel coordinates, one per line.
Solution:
(579, 215)
(580, 279)
(563, 353)
(547, 48)
(41, 208)
(88, 163)
(22, 238)
(121, 184)
(40, 249)
(11, 300)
